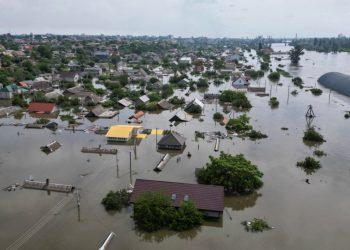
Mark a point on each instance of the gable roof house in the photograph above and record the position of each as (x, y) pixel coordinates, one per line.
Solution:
(84, 95)
(172, 141)
(69, 76)
(101, 55)
(181, 116)
(209, 199)
(240, 82)
(93, 71)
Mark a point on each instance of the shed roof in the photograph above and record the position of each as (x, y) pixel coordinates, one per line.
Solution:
(204, 197)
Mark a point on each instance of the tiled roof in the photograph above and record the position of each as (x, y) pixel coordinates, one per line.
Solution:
(204, 197)
(41, 107)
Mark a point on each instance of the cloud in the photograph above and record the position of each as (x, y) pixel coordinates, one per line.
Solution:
(215, 18)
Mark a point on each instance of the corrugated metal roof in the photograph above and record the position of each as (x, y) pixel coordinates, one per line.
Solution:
(41, 107)
(204, 197)
(121, 131)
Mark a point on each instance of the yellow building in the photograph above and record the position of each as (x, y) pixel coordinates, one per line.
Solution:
(122, 133)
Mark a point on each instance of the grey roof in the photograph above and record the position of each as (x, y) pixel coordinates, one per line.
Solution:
(172, 139)
(181, 116)
(144, 98)
(164, 104)
(336, 81)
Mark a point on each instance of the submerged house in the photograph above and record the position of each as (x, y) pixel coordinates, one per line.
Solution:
(122, 133)
(100, 112)
(8, 91)
(126, 102)
(240, 82)
(172, 141)
(208, 199)
(181, 116)
(41, 108)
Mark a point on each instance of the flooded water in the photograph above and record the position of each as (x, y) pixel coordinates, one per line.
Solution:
(305, 216)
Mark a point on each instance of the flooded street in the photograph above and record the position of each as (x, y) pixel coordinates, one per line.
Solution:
(315, 216)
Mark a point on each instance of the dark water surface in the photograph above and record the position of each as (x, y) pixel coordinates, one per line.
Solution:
(315, 216)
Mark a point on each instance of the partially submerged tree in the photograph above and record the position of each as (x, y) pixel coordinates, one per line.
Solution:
(310, 165)
(235, 173)
(116, 200)
(238, 99)
(295, 53)
(239, 124)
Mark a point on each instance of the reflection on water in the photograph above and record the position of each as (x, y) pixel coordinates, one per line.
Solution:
(238, 203)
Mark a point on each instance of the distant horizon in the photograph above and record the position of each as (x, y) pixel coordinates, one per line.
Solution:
(173, 36)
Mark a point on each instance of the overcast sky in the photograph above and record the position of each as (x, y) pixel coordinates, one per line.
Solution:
(212, 18)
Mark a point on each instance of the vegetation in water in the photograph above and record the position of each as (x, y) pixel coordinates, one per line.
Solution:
(298, 82)
(283, 72)
(238, 99)
(313, 136)
(154, 211)
(319, 153)
(254, 74)
(256, 135)
(218, 116)
(239, 124)
(42, 121)
(234, 172)
(274, 76)
(273, 102)
(256, 225)
(310, 165)
(295, 53)
(177, 101)
(294, 92)
(193, 109)
(316, 91)
(116, 200)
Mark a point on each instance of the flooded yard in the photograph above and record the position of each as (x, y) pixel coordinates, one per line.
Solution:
(304, 216)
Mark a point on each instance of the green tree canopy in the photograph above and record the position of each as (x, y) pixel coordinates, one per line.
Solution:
(235, 173)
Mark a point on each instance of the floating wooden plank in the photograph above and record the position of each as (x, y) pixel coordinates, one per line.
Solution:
(54, 187)
(162, 163)
(99, 150)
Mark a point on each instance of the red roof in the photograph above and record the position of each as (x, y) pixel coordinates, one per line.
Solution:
(40, 107)
(204, 197)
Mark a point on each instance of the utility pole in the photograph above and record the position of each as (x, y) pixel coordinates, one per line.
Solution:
(130, 168)
(78, 203)
(117, 163)
(270, 90)
(288, 95)
(329, 96)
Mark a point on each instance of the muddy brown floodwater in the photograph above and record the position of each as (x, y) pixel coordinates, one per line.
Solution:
(304, 216)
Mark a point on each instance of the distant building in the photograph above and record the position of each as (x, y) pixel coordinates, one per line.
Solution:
(93, 71)
(8, 91)
(185, 59)
(122, 133)
(240, 82)
(69, 77)
(101, 55)
(142, 100)
(172, 141)
(208, 199)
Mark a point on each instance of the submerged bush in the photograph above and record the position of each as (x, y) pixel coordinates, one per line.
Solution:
(218, 116)
(313, 136)
(274, 76)
(238, 99)
(256, 225)
(316, 91)
(256, 135)
(319, 153)
(154, 211)
(239, 124)
(298, 82)
(274, 103)
(116, 200)
(309, 165)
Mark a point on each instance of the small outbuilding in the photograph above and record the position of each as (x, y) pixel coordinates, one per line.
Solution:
(41, 108)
